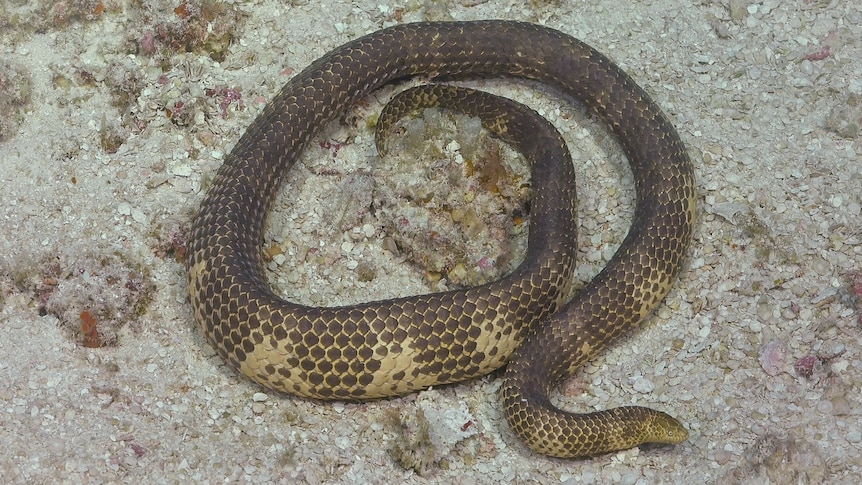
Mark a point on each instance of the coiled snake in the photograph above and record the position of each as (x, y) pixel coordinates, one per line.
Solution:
(394, 347)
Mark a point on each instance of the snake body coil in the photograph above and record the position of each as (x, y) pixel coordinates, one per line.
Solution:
(394, 347)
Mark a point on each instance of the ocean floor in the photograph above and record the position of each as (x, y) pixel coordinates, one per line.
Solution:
(114, 116)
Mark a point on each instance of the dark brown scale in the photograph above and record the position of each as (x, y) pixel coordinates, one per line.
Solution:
(226, 277)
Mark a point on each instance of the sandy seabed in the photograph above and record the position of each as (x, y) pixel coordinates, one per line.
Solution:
(110, 129)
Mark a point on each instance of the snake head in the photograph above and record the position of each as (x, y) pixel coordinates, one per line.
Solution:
(664, 428)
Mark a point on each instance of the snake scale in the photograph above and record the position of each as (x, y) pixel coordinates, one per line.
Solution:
(393, 347)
